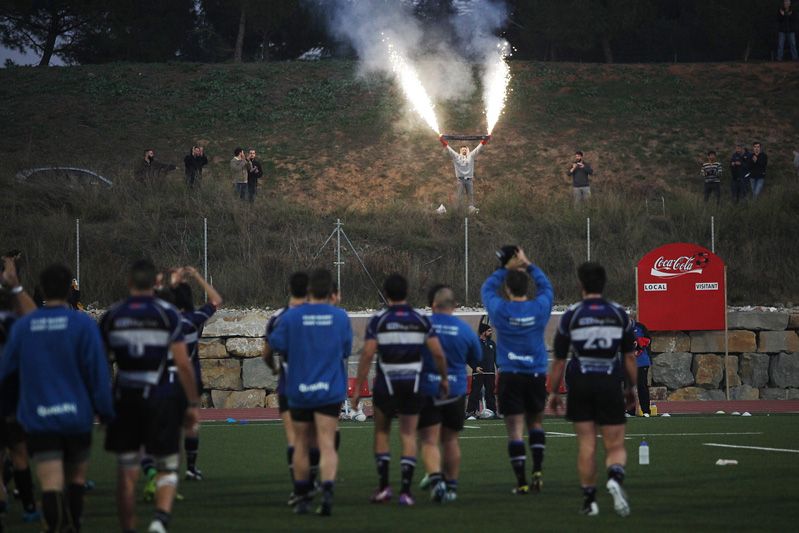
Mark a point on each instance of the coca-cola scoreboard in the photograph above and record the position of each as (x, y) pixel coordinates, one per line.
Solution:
(681, 286)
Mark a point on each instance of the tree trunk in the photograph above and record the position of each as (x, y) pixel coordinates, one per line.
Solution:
(240, 37)
(52, 34)
(606, 49)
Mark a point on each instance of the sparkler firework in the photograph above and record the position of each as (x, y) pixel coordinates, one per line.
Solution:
(412, 86)
(495, 85)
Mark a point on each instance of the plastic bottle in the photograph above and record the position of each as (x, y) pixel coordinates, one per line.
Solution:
(643, 453)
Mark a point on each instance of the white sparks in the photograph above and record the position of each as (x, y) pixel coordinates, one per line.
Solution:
(495, 85)
(412, 87)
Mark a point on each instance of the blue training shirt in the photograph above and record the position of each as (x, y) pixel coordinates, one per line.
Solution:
(519, 325)
(270, 327)
(63, 372)
(642, 358)
(461, 346)
(317, 340)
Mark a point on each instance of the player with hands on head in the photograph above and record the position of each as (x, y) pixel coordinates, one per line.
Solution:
(600, 336)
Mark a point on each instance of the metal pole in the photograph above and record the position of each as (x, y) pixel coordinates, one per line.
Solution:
(338, 255)
(726, 339)
(77, 250)
(205, 248)
(466, 259)
(588, 237)
(713, 236)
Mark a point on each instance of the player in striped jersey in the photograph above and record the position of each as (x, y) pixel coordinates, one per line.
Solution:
(140, 332)
(397, 334)
(600, 336)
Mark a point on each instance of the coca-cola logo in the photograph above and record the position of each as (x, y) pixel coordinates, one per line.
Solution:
(679, 266)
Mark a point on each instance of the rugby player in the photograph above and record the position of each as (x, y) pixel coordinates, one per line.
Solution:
(442, 419)
(521, 356)
(398, 334)
(601, 338)
(140, 333)
(316, 338)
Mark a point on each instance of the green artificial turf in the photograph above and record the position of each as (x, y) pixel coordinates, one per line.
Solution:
(247, 484)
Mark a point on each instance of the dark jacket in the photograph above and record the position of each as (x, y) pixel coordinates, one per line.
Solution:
(738, 164)
(489, 354)
(786, 23)
(580, 175)
(256, 172)
(194, 165)
(145, 170)
(757, 169)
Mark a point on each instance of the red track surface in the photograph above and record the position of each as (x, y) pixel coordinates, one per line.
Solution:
(699, 407)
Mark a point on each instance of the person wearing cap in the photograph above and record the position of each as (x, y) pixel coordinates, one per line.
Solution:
(483, 376)
(463, 161)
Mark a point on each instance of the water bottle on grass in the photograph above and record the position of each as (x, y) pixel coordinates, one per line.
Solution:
(643, 453)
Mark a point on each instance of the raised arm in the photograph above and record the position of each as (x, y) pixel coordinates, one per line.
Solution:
(490, 291)
(23, 303)
(214, 298)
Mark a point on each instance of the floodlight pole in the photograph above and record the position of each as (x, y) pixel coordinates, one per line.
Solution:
(466, 258)
(205, 252)
(588, 237)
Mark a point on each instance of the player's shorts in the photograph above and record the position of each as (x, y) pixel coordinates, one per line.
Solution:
(306, 414)
(595, 397)
(404, 401)
(11, 433)
(154, 423)
(522, 393)
(282, 403)
(451, 414)
(71, 449)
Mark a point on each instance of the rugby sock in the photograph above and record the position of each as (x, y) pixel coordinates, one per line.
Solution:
(53, 508)
(148, 466)
(302, 488)
(537, 446)
(338, 439)
(75, 493)
(452, 485)
(589, 493)
(518, 457)
(327, 490)
(616, 472)
(314, 460)
(163, 517)
(191, 445)
(435, 478)
(290, 458)
(383, 460)
(24, 483)
(407, 466)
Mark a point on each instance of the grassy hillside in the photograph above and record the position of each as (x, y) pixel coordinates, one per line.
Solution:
(336, 145)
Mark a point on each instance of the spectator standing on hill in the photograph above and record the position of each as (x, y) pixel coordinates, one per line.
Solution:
(194, 163)
(240, 168)
(148, 169)
(643, 361)
(579, 172)
(786, 30)
(463, 161)
(253, 175)
(711, 172)
(757, 169)
(739, 182)
(483, 376)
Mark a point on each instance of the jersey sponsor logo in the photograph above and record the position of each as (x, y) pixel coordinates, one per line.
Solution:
(707, 286)
(314, 387)
(59, 409)
(522, 321)
(442, 329)
(58, 323)
(401, 337)
(655, 287)
(515, 357)
(317, 320)
(679, 266)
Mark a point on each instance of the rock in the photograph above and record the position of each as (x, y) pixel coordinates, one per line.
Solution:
(754, 369)
(670, 341)
(272, 401)
(792, 394)
(732, 371)
(221, 374)
(715, 395)
(238, 399)
(713, 342)
(672, 369)
(244, 347)
(211, 349)
(205, 400)
(757, 320)
(773, 394)
(708, 371)
(688, 393)
(256, 375)
(778, 341)
(744, 392)
(784, 370)
(231, 323)
(793, 322)
(657, 394)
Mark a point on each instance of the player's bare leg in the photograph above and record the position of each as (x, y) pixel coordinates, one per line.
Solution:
(452, 461)
(537, 441)
(431, 457)
(75, 480)
(328, 463)
(514, 424)
(302, 467)
(407, 427)
(586, 464)
(127, 475)
(382, 455)
(615, 460)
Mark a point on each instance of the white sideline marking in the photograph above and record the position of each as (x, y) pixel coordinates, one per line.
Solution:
(471, 427)
(761, 448)
(692, 434)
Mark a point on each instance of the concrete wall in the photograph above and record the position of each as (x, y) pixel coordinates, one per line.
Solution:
(763, 363)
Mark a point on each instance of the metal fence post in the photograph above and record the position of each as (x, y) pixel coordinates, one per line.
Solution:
(713, 234)
(466, 259)
(588, 238)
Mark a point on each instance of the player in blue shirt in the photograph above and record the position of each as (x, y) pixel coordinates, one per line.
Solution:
(316, 338)
(141, 332)
(643, 360)
(64, 380)
(600, 336)
(521, 356)
(298, 290)
(398, 334)
(441, 419)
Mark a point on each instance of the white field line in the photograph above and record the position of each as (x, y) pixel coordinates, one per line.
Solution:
(761, 448)
(693, 434)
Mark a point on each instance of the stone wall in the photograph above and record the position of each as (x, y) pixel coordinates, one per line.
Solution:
(763, 363)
